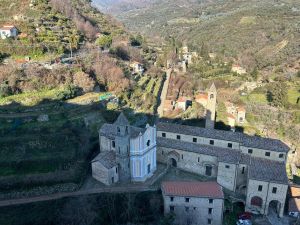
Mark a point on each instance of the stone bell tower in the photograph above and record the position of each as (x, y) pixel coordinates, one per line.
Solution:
(122, 142)
(211, 107)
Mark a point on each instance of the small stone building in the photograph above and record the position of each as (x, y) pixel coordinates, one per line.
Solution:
(194, 203)
(105, 168)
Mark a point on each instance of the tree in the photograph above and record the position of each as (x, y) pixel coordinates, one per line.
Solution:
(277, 94)
(104, 41)
(136, 41)
(83, 81)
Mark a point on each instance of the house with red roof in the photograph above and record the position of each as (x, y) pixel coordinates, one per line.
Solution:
(194, 202)
(8, 31)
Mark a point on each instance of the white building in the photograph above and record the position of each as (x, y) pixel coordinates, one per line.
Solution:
(194, 203)
(8, 31)
(127, 153)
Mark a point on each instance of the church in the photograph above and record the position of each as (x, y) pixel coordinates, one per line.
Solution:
(127, 153)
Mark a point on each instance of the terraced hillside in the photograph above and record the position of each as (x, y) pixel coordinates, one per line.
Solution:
(255, 33)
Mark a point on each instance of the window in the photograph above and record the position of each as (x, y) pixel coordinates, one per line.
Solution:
(113, 143)
(178, 137)
(171, 199)
(198, 159)
(162, 152)
(172, 208)
(163, 134)
(229, 145)
(148, 143)
(281, 155)
(208, 170)
(119, 130)
(149, 168)
(211, 96)
(210, 201)
(267, 153)
(112, 180)
(187, 209)
(119, 150)
(274, 190)
(208, 221)
(227, 166)
(211, 142)
(187, 199)
(194, 140)
(195, 208)
(182, 156)
(260, 187)
(250, 151)
(116, 169)
(243, 170)
(209, 210)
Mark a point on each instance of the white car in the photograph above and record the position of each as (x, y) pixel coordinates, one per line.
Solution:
(244, 222)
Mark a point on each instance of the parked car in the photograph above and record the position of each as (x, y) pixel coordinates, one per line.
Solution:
(244, 222)
(245, 216)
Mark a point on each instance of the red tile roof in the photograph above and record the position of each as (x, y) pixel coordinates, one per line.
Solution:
(201, 96)
(295, 191)
(192, 189)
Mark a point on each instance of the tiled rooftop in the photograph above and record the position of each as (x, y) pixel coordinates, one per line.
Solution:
(267, 170)
(110, 131)
(243, 139)
(192, 189)
(107, 159)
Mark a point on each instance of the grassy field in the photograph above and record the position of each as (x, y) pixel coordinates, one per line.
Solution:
(293, 94)
(31, 98)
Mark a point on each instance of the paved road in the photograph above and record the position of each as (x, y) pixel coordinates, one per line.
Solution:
(74, 194)
(164, 92)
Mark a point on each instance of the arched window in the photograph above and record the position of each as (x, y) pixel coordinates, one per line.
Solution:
(148, 143)
(211, 96)
(119, 130)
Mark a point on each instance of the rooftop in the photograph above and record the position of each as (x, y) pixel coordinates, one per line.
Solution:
(295, 191)
(243, 139)
(110, 131)
(267, 170)
(107, 159)
(192, 189)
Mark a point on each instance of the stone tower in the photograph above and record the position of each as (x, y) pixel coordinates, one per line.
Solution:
(211, 107)
(122, 142)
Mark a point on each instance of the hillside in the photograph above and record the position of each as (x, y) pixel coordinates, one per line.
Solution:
(254, 33)
(53, 103)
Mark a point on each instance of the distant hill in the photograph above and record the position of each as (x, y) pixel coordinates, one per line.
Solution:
(253, 32)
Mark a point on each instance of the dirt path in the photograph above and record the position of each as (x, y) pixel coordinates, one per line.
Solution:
(164, 92)
(74, 194)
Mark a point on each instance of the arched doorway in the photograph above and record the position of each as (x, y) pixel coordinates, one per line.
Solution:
(274, 207)
(172, 162)
(256, 201)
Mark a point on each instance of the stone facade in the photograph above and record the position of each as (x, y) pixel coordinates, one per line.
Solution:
(236, 161)
(194, 208)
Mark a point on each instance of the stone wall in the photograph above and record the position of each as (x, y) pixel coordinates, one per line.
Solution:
(266, 195)
(200, 140)
(227, 175)
(188, 161)
(104, 175)
(257, 152)
(196, 211)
